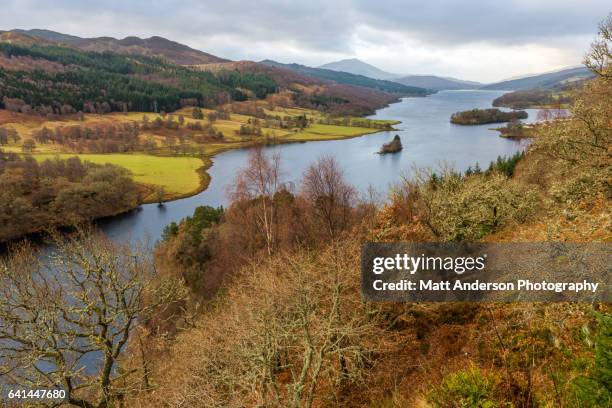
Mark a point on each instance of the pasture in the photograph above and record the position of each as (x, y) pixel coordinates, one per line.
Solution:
(177, 175)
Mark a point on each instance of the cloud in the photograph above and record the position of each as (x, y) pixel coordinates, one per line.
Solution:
(505, 38)
(454, 22)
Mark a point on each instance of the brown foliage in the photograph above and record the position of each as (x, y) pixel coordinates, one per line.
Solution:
(259, 182)
(58, 193)
(99, 139)
(288, 331)
(453, 207)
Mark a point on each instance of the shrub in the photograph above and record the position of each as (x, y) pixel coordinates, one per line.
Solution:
(595, 389)
(457, 208)
(466, 389)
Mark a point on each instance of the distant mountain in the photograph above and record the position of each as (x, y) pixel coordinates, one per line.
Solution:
(351, 79)
(358, 67)
(548, 80)
(151, 47)
(437, 83)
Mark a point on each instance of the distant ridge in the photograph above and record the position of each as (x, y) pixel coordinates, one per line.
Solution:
(433, 82)
(49, 35)
(19, 38)
(546, 80)
(152, 47)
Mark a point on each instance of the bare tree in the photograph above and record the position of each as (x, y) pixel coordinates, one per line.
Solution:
(329, 194)
(293, 333)
(259, 182)
(544, 115)
(28, 146)
(584, 138)
(66, 325)
(160, 192)
(600, 54)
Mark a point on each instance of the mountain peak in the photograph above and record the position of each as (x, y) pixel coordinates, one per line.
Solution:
(356, 60)
(359, 67)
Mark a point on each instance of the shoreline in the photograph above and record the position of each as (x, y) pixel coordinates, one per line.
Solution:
(203, 175)
(205, 180)
(208, 161)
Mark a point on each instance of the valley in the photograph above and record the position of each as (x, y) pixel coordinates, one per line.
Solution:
(182, 226)
(426, 135)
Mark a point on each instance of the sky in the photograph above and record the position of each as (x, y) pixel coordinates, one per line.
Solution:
(480, 40)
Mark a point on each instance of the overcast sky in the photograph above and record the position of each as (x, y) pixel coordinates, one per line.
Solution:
(482, 40)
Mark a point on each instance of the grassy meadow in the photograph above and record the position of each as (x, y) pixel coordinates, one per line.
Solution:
(178, 176)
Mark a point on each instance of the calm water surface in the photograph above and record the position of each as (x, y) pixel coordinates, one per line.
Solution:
(428, 137)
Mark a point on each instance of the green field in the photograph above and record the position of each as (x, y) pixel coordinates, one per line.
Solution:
(329, 132)
(178, 175)
(339, 130)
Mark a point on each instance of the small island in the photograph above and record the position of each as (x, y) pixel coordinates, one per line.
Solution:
(515, 129)
(536, 98)
(393, 146)
(483, 116)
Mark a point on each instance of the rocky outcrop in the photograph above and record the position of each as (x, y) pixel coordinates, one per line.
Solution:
(393, 146)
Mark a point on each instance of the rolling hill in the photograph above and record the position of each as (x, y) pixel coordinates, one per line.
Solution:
(547, 80)
(150, 47)
(53, 79)
(312, 92)
(12, 37)
(351, 79)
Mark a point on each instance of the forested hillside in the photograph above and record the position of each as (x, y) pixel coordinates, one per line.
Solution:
(65, 80)
(352, 79)
(170, 51)
(52, 79)
(312, 92)
(558, 96)
(437, 83)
